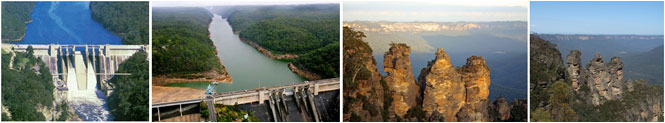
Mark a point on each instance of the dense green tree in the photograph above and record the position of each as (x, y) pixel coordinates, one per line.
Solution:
(560, 103)
(356, 52)
(129, 20)
(180, 42)
(26, 86)
(15, 16)
(242, 17)
(228, 113)
(130, 98)
(323, 61)
(540, 115)
(293, 35)
(312, 31)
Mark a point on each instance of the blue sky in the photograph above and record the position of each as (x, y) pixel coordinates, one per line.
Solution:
(597, 17)
(439, 11)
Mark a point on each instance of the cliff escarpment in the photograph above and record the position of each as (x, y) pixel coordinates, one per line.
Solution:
(596, 92)
(442, 92)
(456, 94)
(363, 85)
(403, 86)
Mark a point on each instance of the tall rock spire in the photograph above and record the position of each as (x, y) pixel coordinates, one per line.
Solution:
(400, 77)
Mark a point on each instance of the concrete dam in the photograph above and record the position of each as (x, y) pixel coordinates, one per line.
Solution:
(312, 101)
(80, 73)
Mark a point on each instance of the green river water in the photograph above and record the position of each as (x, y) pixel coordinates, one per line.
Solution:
(248, 67)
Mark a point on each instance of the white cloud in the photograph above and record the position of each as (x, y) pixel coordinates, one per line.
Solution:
(483, 10)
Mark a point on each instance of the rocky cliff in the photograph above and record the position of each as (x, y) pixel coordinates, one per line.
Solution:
(574, 69)
(476, 78)
(546, 63)
(363, 90)
(546, 67)
(400, 79)
(646, 106)
(600, 93)
(444, 90)
(455, 94)
(448, 93)
(604, 80)
(502, 107)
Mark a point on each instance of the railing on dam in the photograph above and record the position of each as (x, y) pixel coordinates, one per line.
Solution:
(58, 50)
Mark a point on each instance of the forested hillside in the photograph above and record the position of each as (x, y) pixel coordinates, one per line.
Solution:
(15, 16)
(323, 61)
(26, 85)
(244, 16)
(129, 100)
(180, 42)
(309, 31)
(128, 20)
(293, 35)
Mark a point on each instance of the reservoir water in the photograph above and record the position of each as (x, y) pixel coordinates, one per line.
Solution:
(249, 68)
(65, 23)
(71, 23)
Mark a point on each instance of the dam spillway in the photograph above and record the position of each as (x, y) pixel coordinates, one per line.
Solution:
(81, 72)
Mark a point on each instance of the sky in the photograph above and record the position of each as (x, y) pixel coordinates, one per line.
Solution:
(597, 17)
(231, 2)
(438, 11)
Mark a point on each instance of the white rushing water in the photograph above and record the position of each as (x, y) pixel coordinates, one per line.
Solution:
(89, 102)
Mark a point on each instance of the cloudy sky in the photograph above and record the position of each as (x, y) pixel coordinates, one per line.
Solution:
(441, 11)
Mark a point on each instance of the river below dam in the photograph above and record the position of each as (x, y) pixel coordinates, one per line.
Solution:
(248, 67)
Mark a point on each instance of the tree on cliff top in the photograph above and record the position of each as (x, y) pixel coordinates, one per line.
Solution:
(560, 103)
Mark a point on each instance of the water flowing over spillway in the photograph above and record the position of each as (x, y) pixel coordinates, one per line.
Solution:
(86, 100)
(71, 23)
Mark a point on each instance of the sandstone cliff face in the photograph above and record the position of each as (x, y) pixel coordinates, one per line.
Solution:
(476, 77)
(455, 94)
(636, 101)
(444, 90)
(360, 68)
(400, 79)
(647, 105)
(574, 64)
(502, 107)
(604, 80)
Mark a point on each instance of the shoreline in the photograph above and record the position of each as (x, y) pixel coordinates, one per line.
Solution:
(304, 73)
(23, 36)
(163, 79)
(212, 75)
(267, 52)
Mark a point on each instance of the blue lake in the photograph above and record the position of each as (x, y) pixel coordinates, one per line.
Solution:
(65, 23)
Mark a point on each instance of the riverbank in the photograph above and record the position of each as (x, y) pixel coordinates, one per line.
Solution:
(211, 76)
(304, 73)
(23, 36)
(161, 94)
(267, 52)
